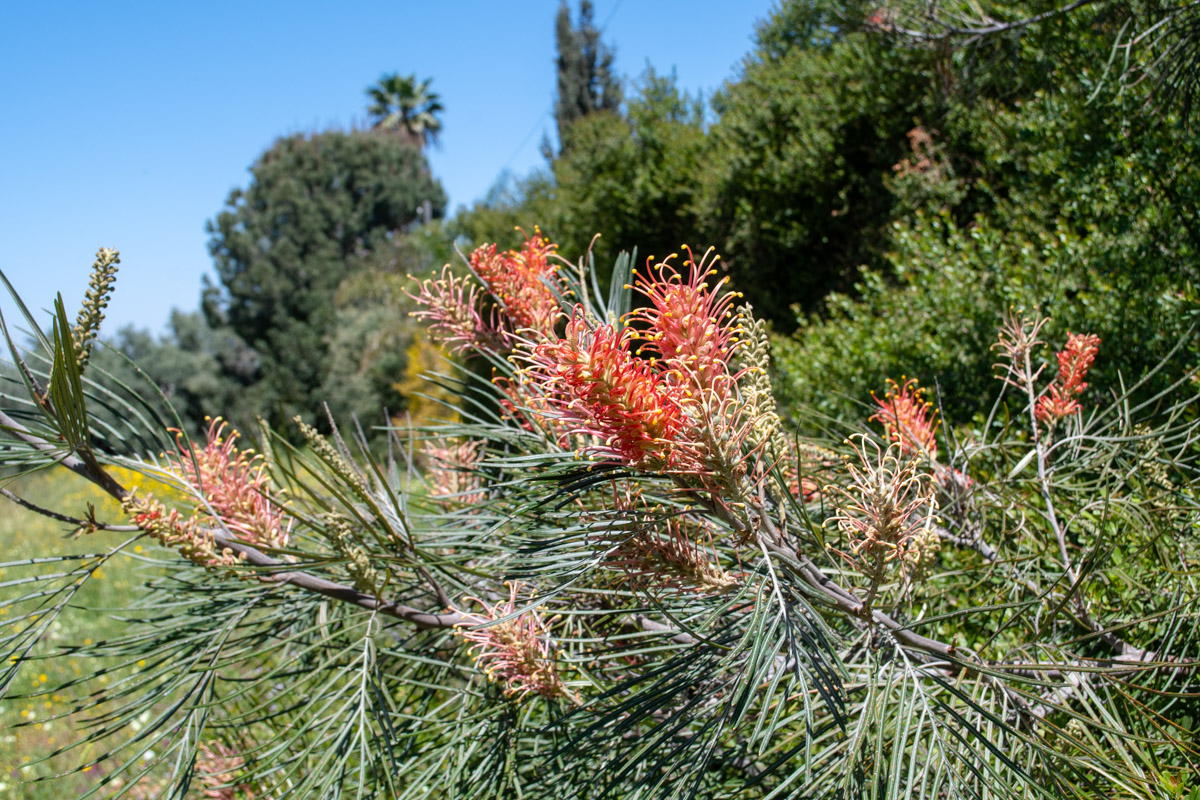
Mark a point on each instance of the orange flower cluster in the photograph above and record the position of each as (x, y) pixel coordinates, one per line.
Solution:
(599, 388)
(235, 488)
(688, 324)
(1073, 364)
(515, 652)
(520, 280)
(672, 403)
(908, 418)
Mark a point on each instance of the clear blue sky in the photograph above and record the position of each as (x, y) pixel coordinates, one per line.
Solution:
(127, 124)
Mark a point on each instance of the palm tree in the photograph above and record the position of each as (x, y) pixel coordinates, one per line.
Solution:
(400, 104)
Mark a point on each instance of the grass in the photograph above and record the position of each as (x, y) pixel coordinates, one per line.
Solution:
(36, 715)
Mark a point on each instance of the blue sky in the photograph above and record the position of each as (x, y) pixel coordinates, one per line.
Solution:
(127, 124)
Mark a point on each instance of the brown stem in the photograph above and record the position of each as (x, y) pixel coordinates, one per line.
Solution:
(986, 28)
(89, 524)
(91, 470)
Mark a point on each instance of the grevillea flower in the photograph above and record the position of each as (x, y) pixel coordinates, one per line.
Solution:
(690, 325)
(451, 307)
(803, 465)
(908, 419)
(1073, 364)
(886, 504)
(515, 652)
(663, 552)
(235, 488)
(519, 280)
(599, 388)
(451, 470)
(217, 767)
(186, 535)
(235, 497)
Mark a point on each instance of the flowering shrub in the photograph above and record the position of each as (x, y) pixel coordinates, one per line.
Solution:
(616, 573)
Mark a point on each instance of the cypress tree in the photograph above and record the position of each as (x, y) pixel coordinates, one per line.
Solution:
(586, 82)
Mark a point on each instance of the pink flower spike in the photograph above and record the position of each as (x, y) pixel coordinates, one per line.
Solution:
(235, 488)
(887, 503)
(515, 652)
(450, 306)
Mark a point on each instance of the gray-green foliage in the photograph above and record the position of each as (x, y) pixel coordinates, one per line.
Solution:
(1047, 653)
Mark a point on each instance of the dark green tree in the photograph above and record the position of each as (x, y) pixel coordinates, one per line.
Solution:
(283, 245)
(586, 83)
(634, 178)
(200, 370)
(795, 190)
(401, 105)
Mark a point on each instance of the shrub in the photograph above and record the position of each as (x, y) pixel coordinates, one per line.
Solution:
(617, 574)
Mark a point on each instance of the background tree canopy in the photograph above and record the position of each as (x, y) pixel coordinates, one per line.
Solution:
(882, 183)
(317, 208)
(884, 199)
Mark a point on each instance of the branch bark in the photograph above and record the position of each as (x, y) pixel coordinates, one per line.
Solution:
(280, 573)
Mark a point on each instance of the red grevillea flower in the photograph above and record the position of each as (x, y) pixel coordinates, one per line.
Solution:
(1073, 364)
(599, 388)
(907, 417)
(515, 652)
(690, 325)
(518, 280)
(450, 306)
(235, 488)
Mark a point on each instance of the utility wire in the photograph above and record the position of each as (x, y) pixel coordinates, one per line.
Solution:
(550, 108)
